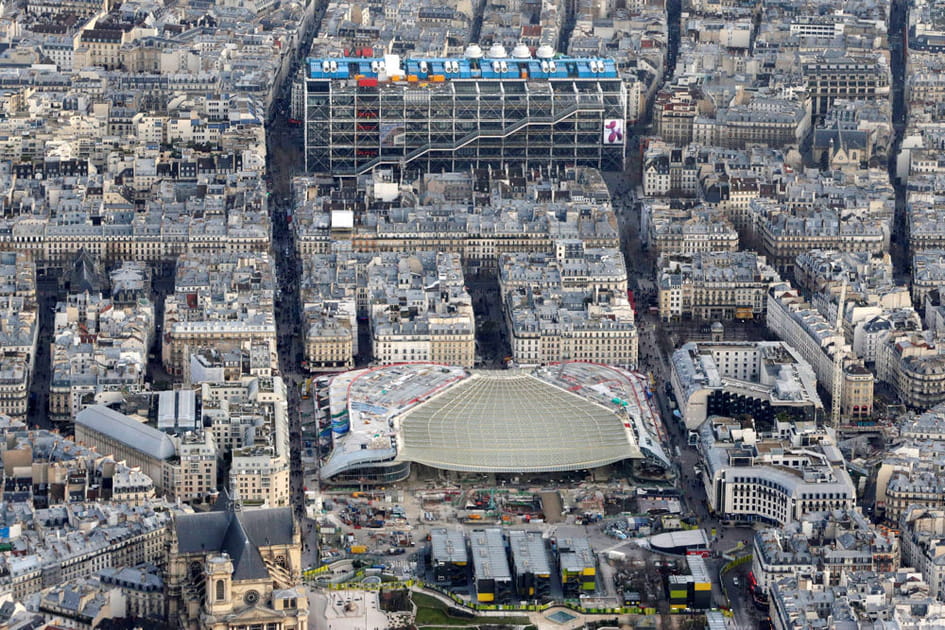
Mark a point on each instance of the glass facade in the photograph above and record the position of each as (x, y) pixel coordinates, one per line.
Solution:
(570, 117)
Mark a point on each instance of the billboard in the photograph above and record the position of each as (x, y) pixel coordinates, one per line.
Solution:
(613, 131)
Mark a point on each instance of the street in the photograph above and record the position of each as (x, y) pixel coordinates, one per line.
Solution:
(656, 345)
(284, 159)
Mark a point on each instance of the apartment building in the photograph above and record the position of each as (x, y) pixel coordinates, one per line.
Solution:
(329, 344)
(165, 228)
(419, 309)
(763, 379)
(797, 324)
(570, 266)
(772, 476)
(98, 47)
(732, 194)
(913, 363)
(818, 270)
(81, 603)
(182, 467)
(86, 8)
(714, 285)
(872, 290)
(42, 469)
(99, 347)
(870, 337)
(928, 273)
(925, 226)
(863, 598)
(222, 301)
(141, 586)
(247, 418)
(19, 329)
(259, 477)
(568, 305)
(761, 121)
(829, 544)
(923, 545)
(674, 112)
(911, 472)
(783, 233)
(671, 228)
(57, 550)
(513, 210)
(333, 291)
(669, 170)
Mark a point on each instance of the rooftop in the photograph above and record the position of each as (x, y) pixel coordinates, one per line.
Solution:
(528, 553)
(781, 375)
(513, 422)
(128, 431)
(393, 68)
(448, 545)
(488, 551)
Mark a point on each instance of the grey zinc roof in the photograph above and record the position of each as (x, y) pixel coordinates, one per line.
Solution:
(201, 531)
(274, 526)
(129, 431)
(575, 554)
(247, 563)
(140, 577)
(528, 553)
(488, 551)
(448, 545)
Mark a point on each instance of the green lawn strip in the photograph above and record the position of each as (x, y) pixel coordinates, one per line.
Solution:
(432, 612)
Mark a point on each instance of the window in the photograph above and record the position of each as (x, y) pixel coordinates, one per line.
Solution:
(221, 591)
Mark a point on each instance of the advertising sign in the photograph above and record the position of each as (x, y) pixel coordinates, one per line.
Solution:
(613, 131)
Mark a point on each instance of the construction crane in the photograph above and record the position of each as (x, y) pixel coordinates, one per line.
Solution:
(838, 360)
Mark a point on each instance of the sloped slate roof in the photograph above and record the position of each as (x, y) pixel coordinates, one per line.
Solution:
(239, 534)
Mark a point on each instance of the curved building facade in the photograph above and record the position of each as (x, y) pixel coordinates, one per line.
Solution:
(774, 477)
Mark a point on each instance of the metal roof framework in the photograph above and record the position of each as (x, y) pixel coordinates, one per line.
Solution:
(513, 422)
